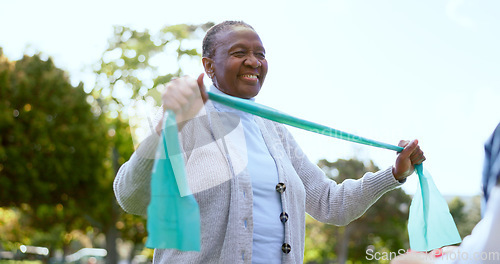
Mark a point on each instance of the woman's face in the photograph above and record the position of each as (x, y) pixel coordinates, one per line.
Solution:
(239, 64)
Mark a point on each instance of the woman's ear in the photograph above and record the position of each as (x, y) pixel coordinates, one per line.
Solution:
(208, 64)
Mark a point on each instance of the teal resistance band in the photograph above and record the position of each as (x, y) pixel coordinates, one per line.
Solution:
(173, 214)
(430, 223)
(275, 115)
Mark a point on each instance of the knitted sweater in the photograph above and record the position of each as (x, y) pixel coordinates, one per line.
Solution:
(215, 165)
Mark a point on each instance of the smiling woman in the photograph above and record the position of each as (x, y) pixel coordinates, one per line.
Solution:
(238, 66)
(251, 180)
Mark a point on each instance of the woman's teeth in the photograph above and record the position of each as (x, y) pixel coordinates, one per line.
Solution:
(249, 76)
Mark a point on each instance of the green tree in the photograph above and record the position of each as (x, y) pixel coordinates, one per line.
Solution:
(13, 231)
(105, 215)
(465, 216)
(382, 228)
(132, 67)
(52, 146)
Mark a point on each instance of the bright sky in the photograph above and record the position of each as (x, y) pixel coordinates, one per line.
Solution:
(386, 70)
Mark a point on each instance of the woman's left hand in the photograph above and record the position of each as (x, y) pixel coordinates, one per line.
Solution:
(407, 158)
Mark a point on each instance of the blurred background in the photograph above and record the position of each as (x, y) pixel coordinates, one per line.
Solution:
(80, 83)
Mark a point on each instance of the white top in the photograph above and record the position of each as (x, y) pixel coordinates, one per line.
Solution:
(268, 231)
(483, 244)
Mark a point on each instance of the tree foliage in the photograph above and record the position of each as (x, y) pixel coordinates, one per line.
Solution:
(13, 229)
(381, 228)
(136, 63)
(52, 146)
(52, 150)
(465, 217)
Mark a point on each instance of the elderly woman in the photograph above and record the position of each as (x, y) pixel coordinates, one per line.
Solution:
(251, 180)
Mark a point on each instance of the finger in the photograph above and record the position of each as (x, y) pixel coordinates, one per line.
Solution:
(417, 156)
(165, 97)
(191, 91)
(186, 90)
(203, 91)
(409, 149)
(403, 143)
(418, 159)
(178, 94)
(416, 153)
(172, 104)
(195, 91)
(174, 100)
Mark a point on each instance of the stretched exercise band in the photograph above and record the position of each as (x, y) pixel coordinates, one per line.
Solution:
(430, 223)
(275, 115)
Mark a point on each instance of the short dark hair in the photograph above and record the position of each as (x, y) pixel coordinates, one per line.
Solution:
(208, 47)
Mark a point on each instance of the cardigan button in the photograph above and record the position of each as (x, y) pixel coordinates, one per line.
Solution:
(286, 248)
(280, 187)
(283, 217)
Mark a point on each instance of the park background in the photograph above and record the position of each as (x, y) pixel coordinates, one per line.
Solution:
(386, 70)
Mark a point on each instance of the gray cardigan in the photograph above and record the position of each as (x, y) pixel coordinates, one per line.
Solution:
(215, 166)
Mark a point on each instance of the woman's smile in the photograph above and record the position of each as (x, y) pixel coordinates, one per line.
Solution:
(250, 78)
(239, 65)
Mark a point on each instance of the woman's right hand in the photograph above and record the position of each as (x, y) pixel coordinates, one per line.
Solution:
(184, 96)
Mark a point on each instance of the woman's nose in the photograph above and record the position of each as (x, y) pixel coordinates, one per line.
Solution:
(252, 61)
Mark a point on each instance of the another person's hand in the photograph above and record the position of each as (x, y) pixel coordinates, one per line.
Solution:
(407, 159)
(184, 96)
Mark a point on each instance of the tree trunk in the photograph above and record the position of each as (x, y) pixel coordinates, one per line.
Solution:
(111, 236)
(131, 254)
(111, 230)
(343, 248)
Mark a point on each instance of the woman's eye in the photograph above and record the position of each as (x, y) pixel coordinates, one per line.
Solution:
(239, 53)
(261, 55)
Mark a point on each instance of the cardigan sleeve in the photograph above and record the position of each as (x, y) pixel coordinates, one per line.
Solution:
(331, 202)
(132, 184)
